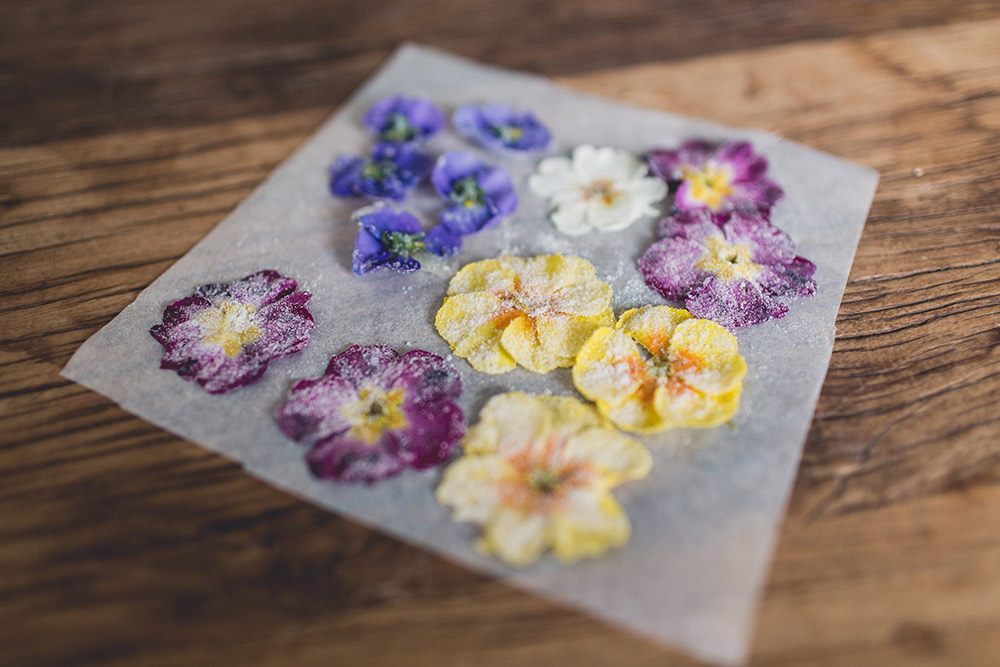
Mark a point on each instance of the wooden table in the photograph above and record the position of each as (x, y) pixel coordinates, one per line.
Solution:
(130, 128)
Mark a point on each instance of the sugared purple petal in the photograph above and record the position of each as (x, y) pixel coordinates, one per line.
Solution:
(479, 196)
(224, 336)
(400, 119)
(499, 127)
(375, 412)
(728, 268)
(721, 177)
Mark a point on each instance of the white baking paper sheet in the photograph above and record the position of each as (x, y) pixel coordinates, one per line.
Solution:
(704, 521)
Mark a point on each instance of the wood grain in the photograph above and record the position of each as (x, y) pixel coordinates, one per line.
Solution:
(123, 545)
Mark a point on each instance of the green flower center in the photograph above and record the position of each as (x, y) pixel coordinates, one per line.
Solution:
(398, 128)
(378, 170)
(401, 243)
(544, 480)
(466, 191)
(508, 133)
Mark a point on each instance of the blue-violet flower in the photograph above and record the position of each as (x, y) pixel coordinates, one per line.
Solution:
(479, 195)
(223, 336)
(391, 239)
(375, 412)
(389, 173)
(400, 120)
(498, 127)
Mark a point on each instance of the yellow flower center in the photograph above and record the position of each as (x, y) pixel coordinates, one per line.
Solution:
(230, 325)
(728, 261)
(710, 184)
(374, 412)
(603, 190)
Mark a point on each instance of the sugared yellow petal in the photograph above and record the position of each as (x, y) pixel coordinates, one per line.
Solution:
(487, 275)
(471, 485)
(469, 323)
(653, 326)
(516, 538)
(610, 368)
(564, 335)
(704, 355)
(615, 456)
(690, 408)
(589, 523)
(520, 340)
(637, 413)
(508, 423)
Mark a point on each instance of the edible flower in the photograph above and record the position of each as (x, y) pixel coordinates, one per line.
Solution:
(478, 195)
(720, 177)
(602, 189)
(535, 312)
(401, 120)
(499, 127)
(537, 473)
(728, 268)
(660, 368)
(389, 173)
(224, 335)
(374, 413)
(395, 239)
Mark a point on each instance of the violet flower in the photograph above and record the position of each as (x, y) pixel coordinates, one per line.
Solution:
(389, 173)
(391, 239)
(727, 269)
(720, 177)
(375, 412)
(400, 120)
(479, 196)
(223, 336)
(499, 127)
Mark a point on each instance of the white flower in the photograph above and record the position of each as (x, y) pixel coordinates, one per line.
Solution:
(606, 189)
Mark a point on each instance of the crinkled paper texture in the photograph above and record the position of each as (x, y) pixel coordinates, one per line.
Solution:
(704, 521)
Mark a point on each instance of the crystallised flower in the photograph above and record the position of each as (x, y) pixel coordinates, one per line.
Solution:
(537, 473)
(500, 127)
(224, 335)
(603, 189)
(659, 368)
(401, 120)
(719, 177)
(395, 239)
(375, 412)
(728, 268)
(391, 172)
(535, 312)
(479, 196)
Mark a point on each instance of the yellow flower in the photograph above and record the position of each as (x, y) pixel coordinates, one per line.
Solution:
(534, 311)
(536, 475)
(686, 373)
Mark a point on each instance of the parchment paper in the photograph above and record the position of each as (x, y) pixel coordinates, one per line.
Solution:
(704, 521)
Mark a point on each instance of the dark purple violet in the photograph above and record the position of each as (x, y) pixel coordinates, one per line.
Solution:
(375, 412)
(729, 269)
(224, 335)
(720, 177)
(499, 127)
(479, 196)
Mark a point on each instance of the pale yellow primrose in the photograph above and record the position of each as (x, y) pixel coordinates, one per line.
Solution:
(687, 372)
(536, 474)
(534, 311)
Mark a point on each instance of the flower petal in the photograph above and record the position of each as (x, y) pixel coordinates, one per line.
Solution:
(704, 356)
(589, 523)
(653, 327)
(610, 368)
(520, 340)
(517, 539)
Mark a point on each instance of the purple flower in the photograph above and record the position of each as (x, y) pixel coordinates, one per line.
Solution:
(479, 196)
(498, 127)
(400, 120)
(223, 336)
(374, 412)
(729, 270)
(390, 173)
(719, 177)
(390, 239)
